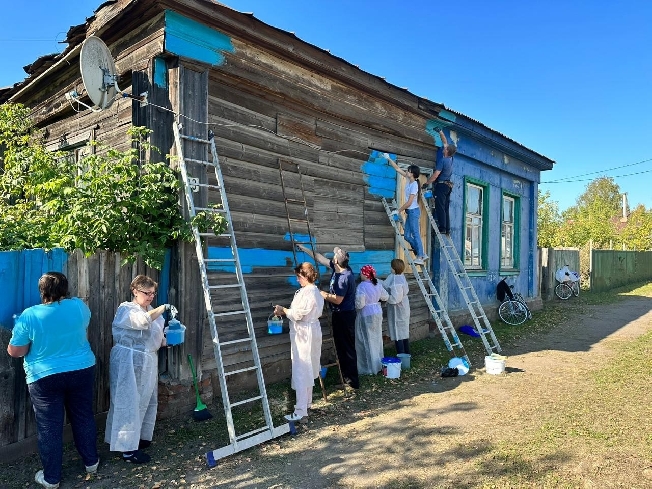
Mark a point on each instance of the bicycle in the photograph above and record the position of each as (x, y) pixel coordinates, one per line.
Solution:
(569, 283)
(514, 310)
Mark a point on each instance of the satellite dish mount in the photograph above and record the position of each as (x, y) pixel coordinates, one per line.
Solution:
(99, 77)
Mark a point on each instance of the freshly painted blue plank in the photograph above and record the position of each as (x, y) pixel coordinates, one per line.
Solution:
(190, 39)
(258, 258)
(432, 128)
(160, 73)
(20, 271)
(379, 176)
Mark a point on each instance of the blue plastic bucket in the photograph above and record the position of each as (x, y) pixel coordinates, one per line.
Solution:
(175, 333)
(274, 325)
(391, 367)
(323, 372)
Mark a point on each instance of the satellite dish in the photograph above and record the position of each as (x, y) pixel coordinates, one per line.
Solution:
(99, 77)
(98, 72)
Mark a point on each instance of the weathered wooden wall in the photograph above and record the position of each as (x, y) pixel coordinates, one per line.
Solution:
(103, 284)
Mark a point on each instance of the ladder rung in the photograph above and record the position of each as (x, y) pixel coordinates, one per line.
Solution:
(297, 220)
(246, 401)
(233, 342)
(251, 433)
(295, 201)
(211, 209)
(239, 371)
(230, 286)
(193, 138)
(201, 162)
(230, 313)
(205, 185)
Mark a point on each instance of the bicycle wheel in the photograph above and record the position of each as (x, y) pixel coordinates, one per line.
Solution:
(563, 291)
(512, 312)
(521, 299)
(576, 288)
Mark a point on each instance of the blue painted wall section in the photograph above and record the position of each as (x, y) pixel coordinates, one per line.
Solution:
(19, 273)
(189, 39)
(379, 175)
(160, 73)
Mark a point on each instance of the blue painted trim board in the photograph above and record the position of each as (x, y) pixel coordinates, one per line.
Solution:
(190, 39)
(379, 176)
(160, 73)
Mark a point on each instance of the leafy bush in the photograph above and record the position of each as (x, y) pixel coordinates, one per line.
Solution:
(107, 201)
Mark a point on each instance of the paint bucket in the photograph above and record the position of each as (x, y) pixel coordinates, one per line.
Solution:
(391, 367)
(495, 364)
(460, 364)
(175, 333)
(323, 372)
(274, 325)
(427, 194)
(405, 360)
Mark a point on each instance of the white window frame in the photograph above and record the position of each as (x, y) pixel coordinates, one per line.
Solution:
(473, 221)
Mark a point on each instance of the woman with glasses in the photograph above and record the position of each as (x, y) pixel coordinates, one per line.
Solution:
(305, 337)
(133, 372)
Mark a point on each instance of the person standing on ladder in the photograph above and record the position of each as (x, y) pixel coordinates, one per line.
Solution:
(411, 207)
(341, 301)
(443, 185)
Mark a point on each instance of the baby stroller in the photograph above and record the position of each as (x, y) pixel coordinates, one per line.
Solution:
(569, 283)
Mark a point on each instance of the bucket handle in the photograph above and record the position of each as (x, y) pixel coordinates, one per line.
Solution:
(272, 316)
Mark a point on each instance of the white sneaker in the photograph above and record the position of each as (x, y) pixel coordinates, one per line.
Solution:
(418, 261)
(92, 469)
(39, 478)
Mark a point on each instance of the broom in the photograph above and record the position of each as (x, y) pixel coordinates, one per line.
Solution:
(201, 412)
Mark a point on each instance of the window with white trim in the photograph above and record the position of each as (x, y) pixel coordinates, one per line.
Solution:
(474, 226)
(507, 233)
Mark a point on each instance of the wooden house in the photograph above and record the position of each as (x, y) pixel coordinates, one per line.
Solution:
(271, 98)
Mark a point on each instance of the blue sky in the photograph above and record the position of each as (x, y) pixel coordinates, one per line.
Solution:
(570, 80)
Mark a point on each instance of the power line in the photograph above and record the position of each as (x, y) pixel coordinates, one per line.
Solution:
(574, 179)
(589, 179)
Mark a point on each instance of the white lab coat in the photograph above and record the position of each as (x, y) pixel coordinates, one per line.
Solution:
(133, 377)
(369, 327)
(398, 307)
(305, 336)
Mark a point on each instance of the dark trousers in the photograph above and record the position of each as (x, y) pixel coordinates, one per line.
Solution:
(344, 336)
(402, 346)
(72, 391)
(442, 202)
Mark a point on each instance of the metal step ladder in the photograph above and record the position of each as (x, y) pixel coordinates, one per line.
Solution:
(437, 307)
(236, 324)
(463, 281)
(299, 219)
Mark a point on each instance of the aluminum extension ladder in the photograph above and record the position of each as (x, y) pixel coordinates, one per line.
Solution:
(242, 335)
(463, 281)
(301, 209)
(438, 308)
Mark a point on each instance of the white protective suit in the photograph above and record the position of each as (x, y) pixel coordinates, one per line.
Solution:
(133, 377)
(398, 307)
(305, 340)
(369, 327)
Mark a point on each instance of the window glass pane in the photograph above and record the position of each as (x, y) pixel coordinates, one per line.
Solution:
(508, 209)
(474, 200)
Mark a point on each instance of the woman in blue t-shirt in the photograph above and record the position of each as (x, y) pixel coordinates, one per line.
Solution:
(60, 370)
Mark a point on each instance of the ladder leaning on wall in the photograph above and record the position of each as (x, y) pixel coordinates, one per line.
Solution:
(434, 301)
(296, 210)
(463, 282)
(238, 327)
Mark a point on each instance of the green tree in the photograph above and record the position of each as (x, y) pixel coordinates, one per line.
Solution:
(548, 221)
(108, 201)
(637, 233)
(593, 216)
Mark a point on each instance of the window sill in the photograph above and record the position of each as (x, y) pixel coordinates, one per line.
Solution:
(476, 272)
(508, 272)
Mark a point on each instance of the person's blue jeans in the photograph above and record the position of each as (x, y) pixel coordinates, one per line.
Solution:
(72, 391)
(412, 231)
(442, 203)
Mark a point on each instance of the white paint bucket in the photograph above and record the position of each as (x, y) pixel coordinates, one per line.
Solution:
(391, 367)
(495, 364)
